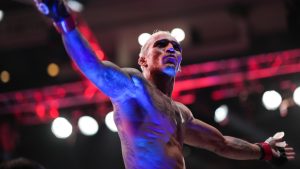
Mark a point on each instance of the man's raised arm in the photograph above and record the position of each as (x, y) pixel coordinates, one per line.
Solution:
(108, 77)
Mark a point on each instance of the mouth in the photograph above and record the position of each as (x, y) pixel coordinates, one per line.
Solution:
(170, 59)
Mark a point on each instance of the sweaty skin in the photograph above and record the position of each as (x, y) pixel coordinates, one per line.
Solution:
(151, 126)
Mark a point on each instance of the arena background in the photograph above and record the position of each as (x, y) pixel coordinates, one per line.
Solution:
(233, 51)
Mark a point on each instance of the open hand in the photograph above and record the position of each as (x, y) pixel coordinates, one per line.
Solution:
(281, 151)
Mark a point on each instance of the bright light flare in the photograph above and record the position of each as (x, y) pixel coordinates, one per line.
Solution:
(142, 39)
(61, 128)
(1, 15)
(109, 121)
(296, 96)
(221, 114)
(75, 5)
(88, 126)
(271, 100)
(178, 34)
(53, 69)
(4, 76)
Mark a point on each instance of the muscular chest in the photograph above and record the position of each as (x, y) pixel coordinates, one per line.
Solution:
(150, 112)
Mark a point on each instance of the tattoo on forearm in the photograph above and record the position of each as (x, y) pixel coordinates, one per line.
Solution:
(242, 145)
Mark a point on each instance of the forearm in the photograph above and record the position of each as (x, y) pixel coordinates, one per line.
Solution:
(238, 149)
(107, 76)
(80, 51)
(104, 74)
(205, 136)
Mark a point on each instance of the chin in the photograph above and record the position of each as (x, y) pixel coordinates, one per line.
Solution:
(170, 71)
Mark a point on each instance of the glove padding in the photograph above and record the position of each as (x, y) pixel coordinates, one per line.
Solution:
(55, 9)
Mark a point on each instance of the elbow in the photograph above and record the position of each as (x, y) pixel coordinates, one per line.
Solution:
(220, 147)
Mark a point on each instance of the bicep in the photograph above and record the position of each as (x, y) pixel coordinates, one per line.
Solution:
(111, 80)
(203, 135)
(108, 77)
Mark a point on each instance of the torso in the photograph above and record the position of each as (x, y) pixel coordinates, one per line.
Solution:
(150, 127)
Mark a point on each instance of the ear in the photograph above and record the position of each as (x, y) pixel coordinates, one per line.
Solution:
(179, 68)
(142, 61)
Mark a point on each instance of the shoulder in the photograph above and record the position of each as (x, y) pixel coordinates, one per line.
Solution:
(132, 71)
(185, 111)
(136, 76)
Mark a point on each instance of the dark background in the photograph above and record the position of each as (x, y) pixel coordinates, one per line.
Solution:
(216, 31)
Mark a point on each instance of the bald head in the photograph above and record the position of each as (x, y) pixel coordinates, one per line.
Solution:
(161, 53)
(145, 47)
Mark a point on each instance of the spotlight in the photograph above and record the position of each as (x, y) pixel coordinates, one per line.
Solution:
(221, 114)
(61, 128)
(87, 125)
(109, 121)
(1, 15)
(53, 69)
(296, 96)
(5, 76)
(178, 34)
(142, 39)
(271, 100)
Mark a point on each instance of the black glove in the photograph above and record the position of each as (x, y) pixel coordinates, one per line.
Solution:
(281, 160)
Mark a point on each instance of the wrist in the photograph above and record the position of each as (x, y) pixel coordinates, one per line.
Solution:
(265, 151)
(65, 25)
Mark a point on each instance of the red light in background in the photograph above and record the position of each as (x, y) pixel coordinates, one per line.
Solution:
(90, 90)
(40, 111)
(54, 113)
(187, 99)
(38, 96)
(19, 97)
(60, 92)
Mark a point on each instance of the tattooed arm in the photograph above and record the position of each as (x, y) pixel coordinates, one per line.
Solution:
(203, 135)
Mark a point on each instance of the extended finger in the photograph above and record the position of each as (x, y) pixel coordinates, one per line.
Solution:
(289, 149)
(291, 157)
(290, 154)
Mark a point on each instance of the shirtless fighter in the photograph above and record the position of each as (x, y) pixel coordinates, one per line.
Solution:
(151, 126)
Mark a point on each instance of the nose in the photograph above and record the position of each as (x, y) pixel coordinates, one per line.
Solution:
(170, 49)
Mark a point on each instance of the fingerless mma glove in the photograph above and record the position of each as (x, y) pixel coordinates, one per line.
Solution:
(267, 155)
(58, 12)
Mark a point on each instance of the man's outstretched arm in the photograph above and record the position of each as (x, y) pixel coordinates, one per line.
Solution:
(105, 75)
(202, 135)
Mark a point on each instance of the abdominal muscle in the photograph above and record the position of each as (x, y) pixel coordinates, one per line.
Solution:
(143, 153)
(150, 129)
(149, 144)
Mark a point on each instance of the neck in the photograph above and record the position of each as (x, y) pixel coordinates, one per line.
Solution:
(162, 81)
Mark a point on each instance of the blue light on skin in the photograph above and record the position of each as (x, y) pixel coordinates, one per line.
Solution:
(108, 77)
(148, 135)
(170, 70)
(144, 129)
